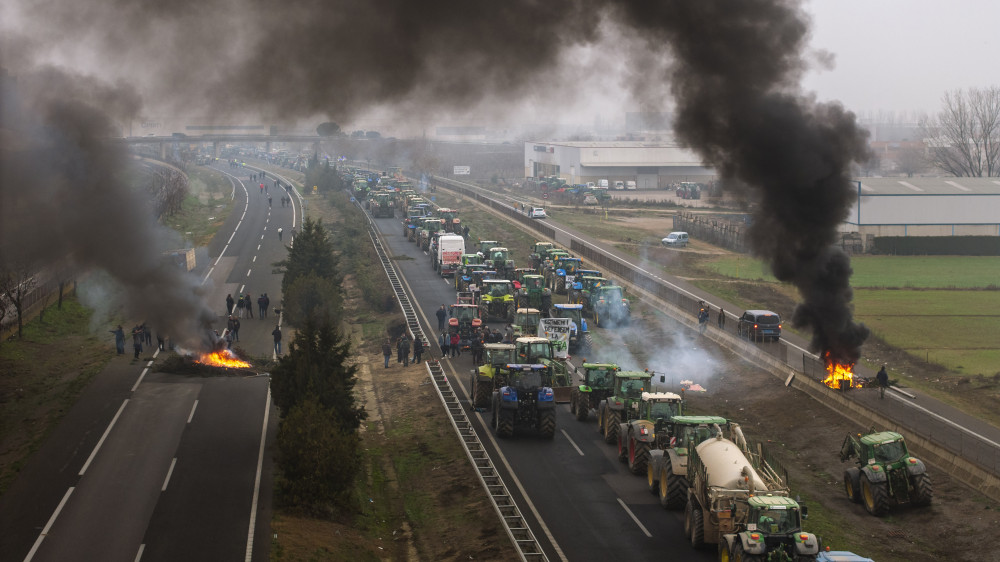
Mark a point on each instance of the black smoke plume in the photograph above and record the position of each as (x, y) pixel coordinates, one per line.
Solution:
(735, 83)
(65, 203)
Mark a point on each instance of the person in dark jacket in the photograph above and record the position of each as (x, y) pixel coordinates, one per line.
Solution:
(444, 341)
(230, 303)
(277, 339)
(386, 352)
(119, 339)
(442, 314)
(418, 349)
(404, 350)
(137, 341)
(882, 378)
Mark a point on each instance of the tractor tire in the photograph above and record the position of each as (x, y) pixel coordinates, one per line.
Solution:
(546, 303)
(622, 448)
(547, 423)
(740, 556)
(505, 423)
(694, 526)
(510, 312)
(493, 417)
(638, 456)
(651, 480)
(923, 490)
(852, 484)
(673, 488)
(588, 344)
(597, 319)
(600, 419)
(875, 496)
(574, 395)
(582, 407)
(611, 420)
(482, 394)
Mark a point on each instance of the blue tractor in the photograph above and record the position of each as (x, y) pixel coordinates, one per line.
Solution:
(527, 400)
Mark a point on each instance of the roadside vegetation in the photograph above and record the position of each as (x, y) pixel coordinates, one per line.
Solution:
(204, 209)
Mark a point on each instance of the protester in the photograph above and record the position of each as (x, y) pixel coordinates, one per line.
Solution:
(277, 339)
(119, 339)
(444, 342)
(137, 341)
(230, 303)
(386, 352)
(418, 349)
(456, 345)
(442, 314)
(404, 345)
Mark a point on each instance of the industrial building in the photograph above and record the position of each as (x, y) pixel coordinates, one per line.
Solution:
(945, 206)
(651, 165)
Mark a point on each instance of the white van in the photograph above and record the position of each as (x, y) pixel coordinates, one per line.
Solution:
(602, 184)
(676, 239)
(619, 185)
(630, 185)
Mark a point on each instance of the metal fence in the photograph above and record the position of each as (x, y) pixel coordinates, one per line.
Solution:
(728, 234)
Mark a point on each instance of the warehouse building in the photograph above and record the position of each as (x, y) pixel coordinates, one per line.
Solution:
(650, 165)
(945, 206)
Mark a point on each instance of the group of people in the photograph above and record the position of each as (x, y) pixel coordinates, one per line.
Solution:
(243, 305)
(704, 314)
(403, 350)
(141, 335)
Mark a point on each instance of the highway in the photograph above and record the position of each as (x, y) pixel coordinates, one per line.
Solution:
(159, 466)
(584, 504)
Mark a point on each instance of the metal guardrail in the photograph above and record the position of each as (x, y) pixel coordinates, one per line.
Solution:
(503, 503)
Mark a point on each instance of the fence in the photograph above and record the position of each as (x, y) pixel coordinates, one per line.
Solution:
(728, 234)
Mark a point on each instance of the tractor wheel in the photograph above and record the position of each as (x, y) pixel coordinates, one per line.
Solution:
(582, 407)
(547, 423)
(588, 343)
(852, 484)
(546, 303)
(923, 491)
(600, 419)
(673, 488)
(597, 319)
(638, 456)
(611, 420)
(505, 423)
(510, 312)
(496, 410)
(875, 496)
(482, 394)
(622, 448)
(697, 526)
(572, 401)
(740, 556)
(651, 480)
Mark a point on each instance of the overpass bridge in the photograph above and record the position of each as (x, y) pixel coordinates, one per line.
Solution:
(216, 138)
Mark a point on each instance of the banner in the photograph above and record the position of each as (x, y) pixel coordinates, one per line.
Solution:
(557, 330)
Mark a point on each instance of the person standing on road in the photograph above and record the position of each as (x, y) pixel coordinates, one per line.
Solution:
(456, 345)
(882, 378)
(267, 304)
(444, 342)
(465, 231)
(119, 339)
(277, 339)
(137, 341)
(248, 305)
(441, 314)
(268, 197)
(722, 318)
(261, 306)
(702, 320)
(418, 349)
(147, 333)
(386, 352)
(239, 306)
(230, 303)
(279, 233)
(404, 345)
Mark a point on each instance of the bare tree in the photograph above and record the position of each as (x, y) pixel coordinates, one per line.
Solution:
(911, 160)
(17, 279)
(964, 138)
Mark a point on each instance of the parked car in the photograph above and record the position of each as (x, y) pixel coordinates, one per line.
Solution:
(676, 239)
(537, 213)
(619, 185)
(630, 185)
(760, 325)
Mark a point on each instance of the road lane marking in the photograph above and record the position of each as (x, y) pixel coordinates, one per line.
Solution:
(48, 526)
(170, 472)
(193, 408)
(97, 447)
(207, 275)
(150, 364)
(248, 272)
(256, 486)
(261, 236)
(138, 555)
(230, 241)
(139, 380)
(255, 259)
(983, 438)
(258, 247)
(571, 442)
(242, 287)
(634, 518)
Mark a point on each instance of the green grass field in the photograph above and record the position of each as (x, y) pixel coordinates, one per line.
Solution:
(917, 272)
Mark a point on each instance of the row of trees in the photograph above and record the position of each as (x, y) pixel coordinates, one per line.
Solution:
(964, 138)
(313, 384)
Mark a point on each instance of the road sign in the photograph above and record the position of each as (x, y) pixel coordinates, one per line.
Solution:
(462, 170)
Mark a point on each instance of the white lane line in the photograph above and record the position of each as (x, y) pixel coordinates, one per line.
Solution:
(984, 439)
(170, 472)
(242, 287)
(139, 380)
(261, 236)
(150, 364)
(138, 555)
(207, 275)
(634, 518)
(258, 247)
(193, 408)
(48, 526)
(571, 442)
(230, 241)
(97, 447)
(248, 272)
(255, 259)
(256, 485)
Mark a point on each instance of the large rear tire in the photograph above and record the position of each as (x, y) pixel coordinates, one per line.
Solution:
(875, 496)
(622, 448)
(638, 456)
(923, 490)
(852, 484)
(482, 394)
(652, 482)
(505, 423)
(697, 526)
(611, 420)
(547, 423)
(673, 487)
(582, 406)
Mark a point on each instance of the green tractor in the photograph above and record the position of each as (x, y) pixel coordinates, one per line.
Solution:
(638, 436)
(496, 299)
(597, 385)
(666, 471)
(538, 254)
(621, 406)
(500, 258)
(428, 231)
(526, 322)
(533, 349)
(579, 338)
(484, 247)
(492, 374)
(382, 205)
(583, 287)
(525, 399)
(610, 306)
(886, 473)
(534, 294)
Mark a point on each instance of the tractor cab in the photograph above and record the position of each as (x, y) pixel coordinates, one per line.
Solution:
(471, 259)
(497, 288)
(464, 319)
(485, 245)
(773, 515)
(526, 321)
(599, 375)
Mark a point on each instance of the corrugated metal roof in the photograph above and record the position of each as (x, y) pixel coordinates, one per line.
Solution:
(930, 186)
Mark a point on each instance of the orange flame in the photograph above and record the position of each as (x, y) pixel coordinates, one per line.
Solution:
(224, 358)
(839, 376)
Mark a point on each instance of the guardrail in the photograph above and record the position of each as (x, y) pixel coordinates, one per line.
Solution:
(979, 460)
(503, 503)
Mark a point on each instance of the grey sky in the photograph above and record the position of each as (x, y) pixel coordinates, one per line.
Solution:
(902, 55)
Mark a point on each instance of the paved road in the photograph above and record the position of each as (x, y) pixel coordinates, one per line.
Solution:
(587, 501)
(150, 465)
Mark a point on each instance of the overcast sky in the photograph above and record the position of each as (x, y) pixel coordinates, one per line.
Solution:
(903, 55)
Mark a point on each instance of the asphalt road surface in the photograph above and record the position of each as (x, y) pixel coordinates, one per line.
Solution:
(158, 466)
(588, 506)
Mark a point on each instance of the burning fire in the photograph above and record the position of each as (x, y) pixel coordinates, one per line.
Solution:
(223, 358)
(839, 376)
